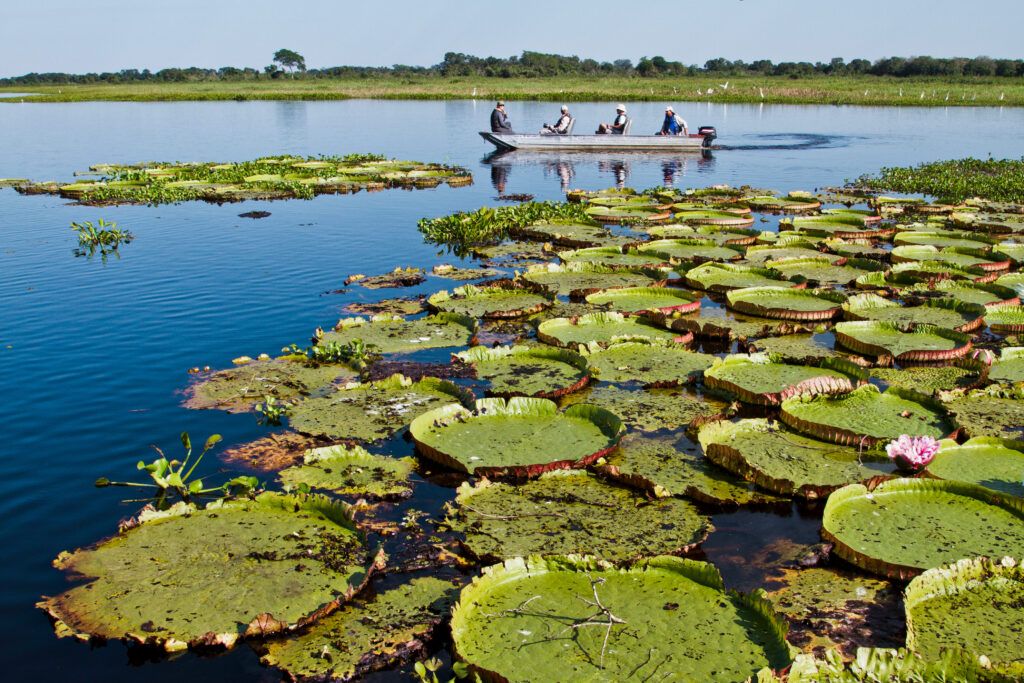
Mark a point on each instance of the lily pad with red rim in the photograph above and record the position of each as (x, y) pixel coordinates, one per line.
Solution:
(763, 379)
(886, 340)
(499, 299)
(528, 371)
(640, 300)
(652, 362)
(786, 303)
(605, 328)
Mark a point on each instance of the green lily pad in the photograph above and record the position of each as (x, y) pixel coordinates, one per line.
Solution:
(1011, 281)
(763, 379)
(571, 510)
(1005, 319)
(393, 334)
(724, 323)
(993, 463)
(1009, 367)
(964, 374)
(948, 313)
(886, 339)
(238, 389)
(522, 617)
(856, 248)
(650, 409)
(866, 416)
(942, 240)
(673, 466)
(989, 412)
(577, 279)
(698, 250)
(957, 256)
(351, 471)
(787, 463)
(729, 235)
(193, 577)
(905, 526)
(613, 257)
(575, 235)
(523, 436)
(399, 277)
(628, 212)
(721, 277)
(604, 328)
(373, 411)
(786, 303)
(823, 271)
(450, 272)
(930, 271)
(972, 604)
(496, 300)
(649, 361)
(628, 300)
(712, 217)
(790, 203)
(528, 371)
(367, 634)
(760, 254)
(796, 348)
(391, 307)
(1013, 250)
(971, 292)
(842, 226)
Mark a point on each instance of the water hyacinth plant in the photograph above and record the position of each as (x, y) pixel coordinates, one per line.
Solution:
(912, 454)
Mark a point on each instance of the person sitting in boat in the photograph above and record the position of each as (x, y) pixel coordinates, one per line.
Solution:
(617, 127)
(674, 124)
(499, 119)
(561, 127)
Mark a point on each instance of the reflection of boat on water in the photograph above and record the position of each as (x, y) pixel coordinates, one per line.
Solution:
(658, 143)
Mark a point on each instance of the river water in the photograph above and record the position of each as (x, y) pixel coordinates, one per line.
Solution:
(94, 354)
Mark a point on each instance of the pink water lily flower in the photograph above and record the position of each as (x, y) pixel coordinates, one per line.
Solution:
(912, 453)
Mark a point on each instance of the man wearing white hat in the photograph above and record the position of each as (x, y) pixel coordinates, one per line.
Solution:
(618, 127)
(561, 127)
(674, 124)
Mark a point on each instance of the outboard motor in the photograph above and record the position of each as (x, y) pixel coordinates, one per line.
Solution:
(709, 134)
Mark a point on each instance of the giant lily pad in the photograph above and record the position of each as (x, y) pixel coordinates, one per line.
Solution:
(792, 203)
(942, 240)
(1009, 367)
(392, 334)
(646, 299)
(949, 313)
(866, 416)
(796, 348)
(367, 634)
(207, 577)
(572, 234)
(614, 257)
(525, 616)
(763, 379)
(651, 409)
(856, 248)
(887, 340)
(905, 526)
(499, 299)
(570, 510)
(965, 373)
(960, 257)
(721, 277)
(968, 292)
(823, 271)
(786, 303)
(989, 412)
(528, 371)
(994, 463)
(375, 410)
(652, 362)
(698, 250)
(761, 254)
(577, 279)
(842, 226)
(931, 271)
(973, 605)
(691, 216)
(723, 323)
(787, 463)
(605, 328)
(522, 436)
(351, 471)
(1005, 319)
(1012, 281)
(238, 389)
(629, 212)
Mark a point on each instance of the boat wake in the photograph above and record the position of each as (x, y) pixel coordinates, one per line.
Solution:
(784, 141)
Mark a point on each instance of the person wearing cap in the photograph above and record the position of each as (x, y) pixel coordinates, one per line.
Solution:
(561, 127)
(674, 124)
(499, 119)
(617, 127)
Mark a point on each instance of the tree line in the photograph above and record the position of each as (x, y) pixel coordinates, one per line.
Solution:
(536, 65)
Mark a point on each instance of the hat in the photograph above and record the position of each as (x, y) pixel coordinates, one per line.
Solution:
(501, 103)
(621, 107)
(669, 108)
(565, 107)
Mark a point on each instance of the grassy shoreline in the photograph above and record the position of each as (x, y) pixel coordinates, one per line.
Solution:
(859, 90)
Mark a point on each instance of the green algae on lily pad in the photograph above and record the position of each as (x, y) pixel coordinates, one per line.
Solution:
(351, 471)
(822, 270)
(856, 248)
(960, 257)
(674, 466)
(605, 328)
(949, 313)
(932, 271)
(579, 278)
(528, 371)
(972, 604)
(724, 323)
(988, 412)
(450, 272)
(500, 299)
(570, 511)
(651, 409)
(1009, 367)
(628, 300)
(375, 410)
(394, 307)
(905, 526)
(845, 227)
(629, 212)
(763, 379)
(191, 577)
(941, 239)
(697, 250)
(965, 373)
(886, 340)
(238, 389)
(994, 463)
(866, 416)
(721, 277)
(366, 634)
(761, 254)
(525, 616)
(786, 463)
(786, 303)
(392, 334)
(1005, 319)
(655, 363)
(521, 436)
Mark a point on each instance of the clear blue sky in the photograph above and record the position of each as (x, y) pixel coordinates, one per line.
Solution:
(79, 36)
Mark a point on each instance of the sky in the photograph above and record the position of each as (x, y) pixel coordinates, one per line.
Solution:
(77, 36)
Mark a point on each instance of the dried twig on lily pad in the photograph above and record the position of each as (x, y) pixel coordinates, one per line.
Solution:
(589, 621)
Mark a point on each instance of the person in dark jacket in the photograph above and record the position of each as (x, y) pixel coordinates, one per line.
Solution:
(499, 119)
(674, 124)
(617, 127)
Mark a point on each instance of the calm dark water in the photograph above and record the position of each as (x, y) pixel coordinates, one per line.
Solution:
(94, 354)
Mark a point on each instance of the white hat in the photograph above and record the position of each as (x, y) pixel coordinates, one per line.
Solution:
(669, 108)
(565, 107)
(621, 107)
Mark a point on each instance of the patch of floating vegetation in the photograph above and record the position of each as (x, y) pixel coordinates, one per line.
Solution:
(649, 410)
(995, 179)
(276, 177)
(351, 471)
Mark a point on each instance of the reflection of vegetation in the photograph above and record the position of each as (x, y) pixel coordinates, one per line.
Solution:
(105, 236)
(994, 179)
(460, 230)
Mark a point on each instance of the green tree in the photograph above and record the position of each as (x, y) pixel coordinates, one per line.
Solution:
(290, 60)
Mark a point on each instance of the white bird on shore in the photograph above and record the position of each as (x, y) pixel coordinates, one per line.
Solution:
(762, 92)
(922, 95)
(725, 86)
(1001, 96)
(865, 93)
(474, 92)
(699, 92)
(901, 92)
(711, 90)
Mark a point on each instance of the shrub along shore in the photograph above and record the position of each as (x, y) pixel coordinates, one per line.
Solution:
(837, 90)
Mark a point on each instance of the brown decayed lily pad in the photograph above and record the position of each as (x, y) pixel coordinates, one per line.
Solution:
(450, 272)
(272, 452)
(238, 389)
(399, 306)
(399, 277)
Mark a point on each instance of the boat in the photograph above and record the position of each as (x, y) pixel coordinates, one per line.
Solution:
(552, 141)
